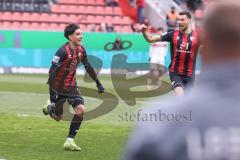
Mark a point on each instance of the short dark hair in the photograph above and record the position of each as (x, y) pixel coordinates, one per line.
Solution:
(70, 29)
(186, 13)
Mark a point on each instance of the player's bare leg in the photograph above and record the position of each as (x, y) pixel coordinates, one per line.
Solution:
(160, 82)
(149, 84)
(179, 91)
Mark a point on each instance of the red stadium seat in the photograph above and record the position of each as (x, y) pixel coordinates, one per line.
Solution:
(1, 15)
(72, 2)
(91, 2)
(26, 16)
(72, 9)
(73, 18)
(64, 8)
(83, 28)
(25, 25)
(55, 8)
(108, 10)
(118, 28)
(81, 9)
(82, 19)
(35, 17)
(44, 26)
(44, 17)
(64, 18)
(7, 16)
(35, 26)
(62, 26)
(53, 17)
(91, 19)
(54, 26)
(98, 19)
(6, 25)
(81, 1)
(126, 20)
(100, 2)
(108, 19)
(90, 10)
(17, 16)
(126, 29)
(117, 11)
(99, 10)
(117, 20)
(15, 25)
(64, 1)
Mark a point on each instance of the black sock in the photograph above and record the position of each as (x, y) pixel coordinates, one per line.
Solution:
(75, 125)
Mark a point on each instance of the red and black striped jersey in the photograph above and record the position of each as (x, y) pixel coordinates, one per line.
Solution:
(62, 74)
(184, 50)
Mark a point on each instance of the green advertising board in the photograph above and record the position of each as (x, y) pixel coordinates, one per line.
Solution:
(44, 40)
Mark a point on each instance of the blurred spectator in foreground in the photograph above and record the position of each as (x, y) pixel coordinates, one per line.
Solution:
(204, 124)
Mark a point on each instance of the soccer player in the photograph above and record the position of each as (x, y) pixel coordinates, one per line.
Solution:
(63, 85)
(157, 53)
(184, 44)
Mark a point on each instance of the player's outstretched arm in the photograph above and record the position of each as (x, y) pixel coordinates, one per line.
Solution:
(92, 73)
(148, 37)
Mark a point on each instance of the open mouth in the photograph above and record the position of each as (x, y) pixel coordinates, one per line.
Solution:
(181, 26)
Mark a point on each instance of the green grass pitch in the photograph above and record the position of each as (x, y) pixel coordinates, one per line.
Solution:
(26, 134)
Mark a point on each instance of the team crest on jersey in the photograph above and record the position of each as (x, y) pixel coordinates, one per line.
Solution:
(192, 38)
(164, 34)
(56, 59)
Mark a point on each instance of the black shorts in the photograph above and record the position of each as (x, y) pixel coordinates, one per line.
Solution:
(74, 98)
(183, 81)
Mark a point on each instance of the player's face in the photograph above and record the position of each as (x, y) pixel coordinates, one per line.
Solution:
(183, 22)
(76, 37)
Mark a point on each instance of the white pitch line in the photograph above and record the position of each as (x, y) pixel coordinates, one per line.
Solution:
(22, 93)
(90, 98)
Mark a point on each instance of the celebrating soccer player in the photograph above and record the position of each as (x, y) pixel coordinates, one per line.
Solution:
(184, 44)
(63, 85)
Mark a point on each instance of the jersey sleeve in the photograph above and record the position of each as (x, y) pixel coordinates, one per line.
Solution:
(88, 66)
(59, 57)
(167, 37)
(57, 61)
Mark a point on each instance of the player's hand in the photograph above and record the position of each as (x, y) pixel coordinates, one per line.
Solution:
(142, 28)
(100, 88)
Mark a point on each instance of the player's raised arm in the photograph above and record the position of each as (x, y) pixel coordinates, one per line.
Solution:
(149, 37)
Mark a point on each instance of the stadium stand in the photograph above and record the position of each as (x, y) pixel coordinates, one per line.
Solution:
(54, 15)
